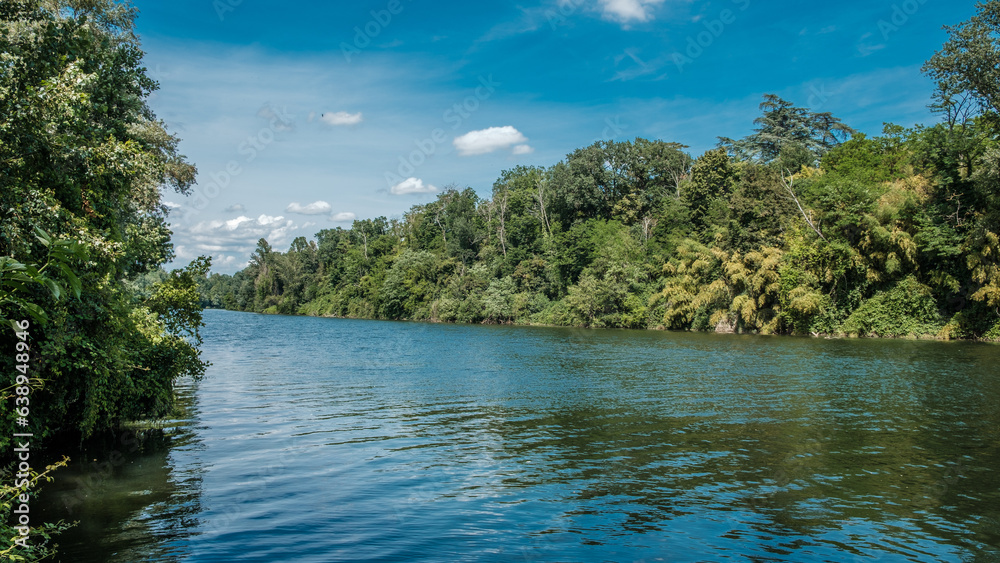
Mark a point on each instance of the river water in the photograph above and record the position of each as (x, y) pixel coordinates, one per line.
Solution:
(347, 440)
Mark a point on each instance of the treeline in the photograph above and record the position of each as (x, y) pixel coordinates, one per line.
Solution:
(805, 226)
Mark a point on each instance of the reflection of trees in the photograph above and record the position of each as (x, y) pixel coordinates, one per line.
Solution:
(131, 495)
(891, 443)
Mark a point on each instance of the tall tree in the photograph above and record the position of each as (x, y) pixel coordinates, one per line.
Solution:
(784, 128)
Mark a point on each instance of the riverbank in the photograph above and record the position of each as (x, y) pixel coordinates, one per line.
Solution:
(945, 333)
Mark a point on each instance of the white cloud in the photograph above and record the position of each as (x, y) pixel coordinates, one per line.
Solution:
(341, 118)
(235, 208)
(488, 140)
(233, 224)
(625, 11)
(344, 217)
(266, 220)
(412, 186)
(231, 242)
(523, 149)
(314, 208)
(172, 205)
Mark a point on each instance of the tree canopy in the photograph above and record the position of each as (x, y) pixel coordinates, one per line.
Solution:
(83, 160)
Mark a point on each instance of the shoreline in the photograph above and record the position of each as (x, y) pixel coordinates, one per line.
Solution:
(843, 336)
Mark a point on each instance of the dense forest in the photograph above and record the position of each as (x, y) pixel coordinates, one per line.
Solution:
(87, 348)
(803, 227)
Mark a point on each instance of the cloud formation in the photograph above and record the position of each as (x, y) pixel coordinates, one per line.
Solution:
(231, 242)
(343, 217)
(233, 224)
(488, 140)
(412, 186)
(235, 208)
(627, 11)
(341, 118)
(314, 208)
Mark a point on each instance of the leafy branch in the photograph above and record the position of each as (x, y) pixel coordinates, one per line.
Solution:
(16, 278)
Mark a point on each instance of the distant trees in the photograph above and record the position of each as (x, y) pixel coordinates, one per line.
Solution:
(792, 136)
(804, 226)
(636, 234)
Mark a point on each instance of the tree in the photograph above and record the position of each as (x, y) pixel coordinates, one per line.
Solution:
(617, 180)
(713, 178)
(16, 278)
(83, 158)
(969, 62)
(784, 128)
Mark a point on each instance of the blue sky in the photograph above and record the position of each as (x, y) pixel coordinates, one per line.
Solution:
(301, 117)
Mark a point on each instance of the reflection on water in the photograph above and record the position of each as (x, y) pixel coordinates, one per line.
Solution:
(134, 496)
(340, 440)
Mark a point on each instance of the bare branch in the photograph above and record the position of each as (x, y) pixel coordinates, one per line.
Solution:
(788, 185)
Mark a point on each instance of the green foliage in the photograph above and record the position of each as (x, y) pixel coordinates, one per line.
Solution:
(713, 179)
(177, 301)
(788, 133)
(967, 61)
(82, 164)
(83, 160)
(745, 248)
(499, 301)
(40, 546)
(869, 161)
(16, 278)
(907, 309)
(794, 229)
(409, 285)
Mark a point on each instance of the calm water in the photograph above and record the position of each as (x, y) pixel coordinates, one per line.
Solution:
(340, 440)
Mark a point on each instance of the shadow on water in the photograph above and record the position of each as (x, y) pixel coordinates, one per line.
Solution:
(134, 494)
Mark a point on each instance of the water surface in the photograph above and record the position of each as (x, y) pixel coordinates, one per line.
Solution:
(346, 440)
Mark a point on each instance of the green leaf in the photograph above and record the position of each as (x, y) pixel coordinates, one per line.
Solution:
(42, 236)
(72, 279)
(53, 287)
(36, 312)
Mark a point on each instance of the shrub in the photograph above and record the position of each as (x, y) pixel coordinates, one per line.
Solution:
(906, 309)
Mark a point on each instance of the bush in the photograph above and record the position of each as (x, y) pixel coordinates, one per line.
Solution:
(908, 309)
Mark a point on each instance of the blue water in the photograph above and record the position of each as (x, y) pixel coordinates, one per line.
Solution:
(346, 440)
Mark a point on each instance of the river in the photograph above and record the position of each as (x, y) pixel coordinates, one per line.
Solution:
(313, 439)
